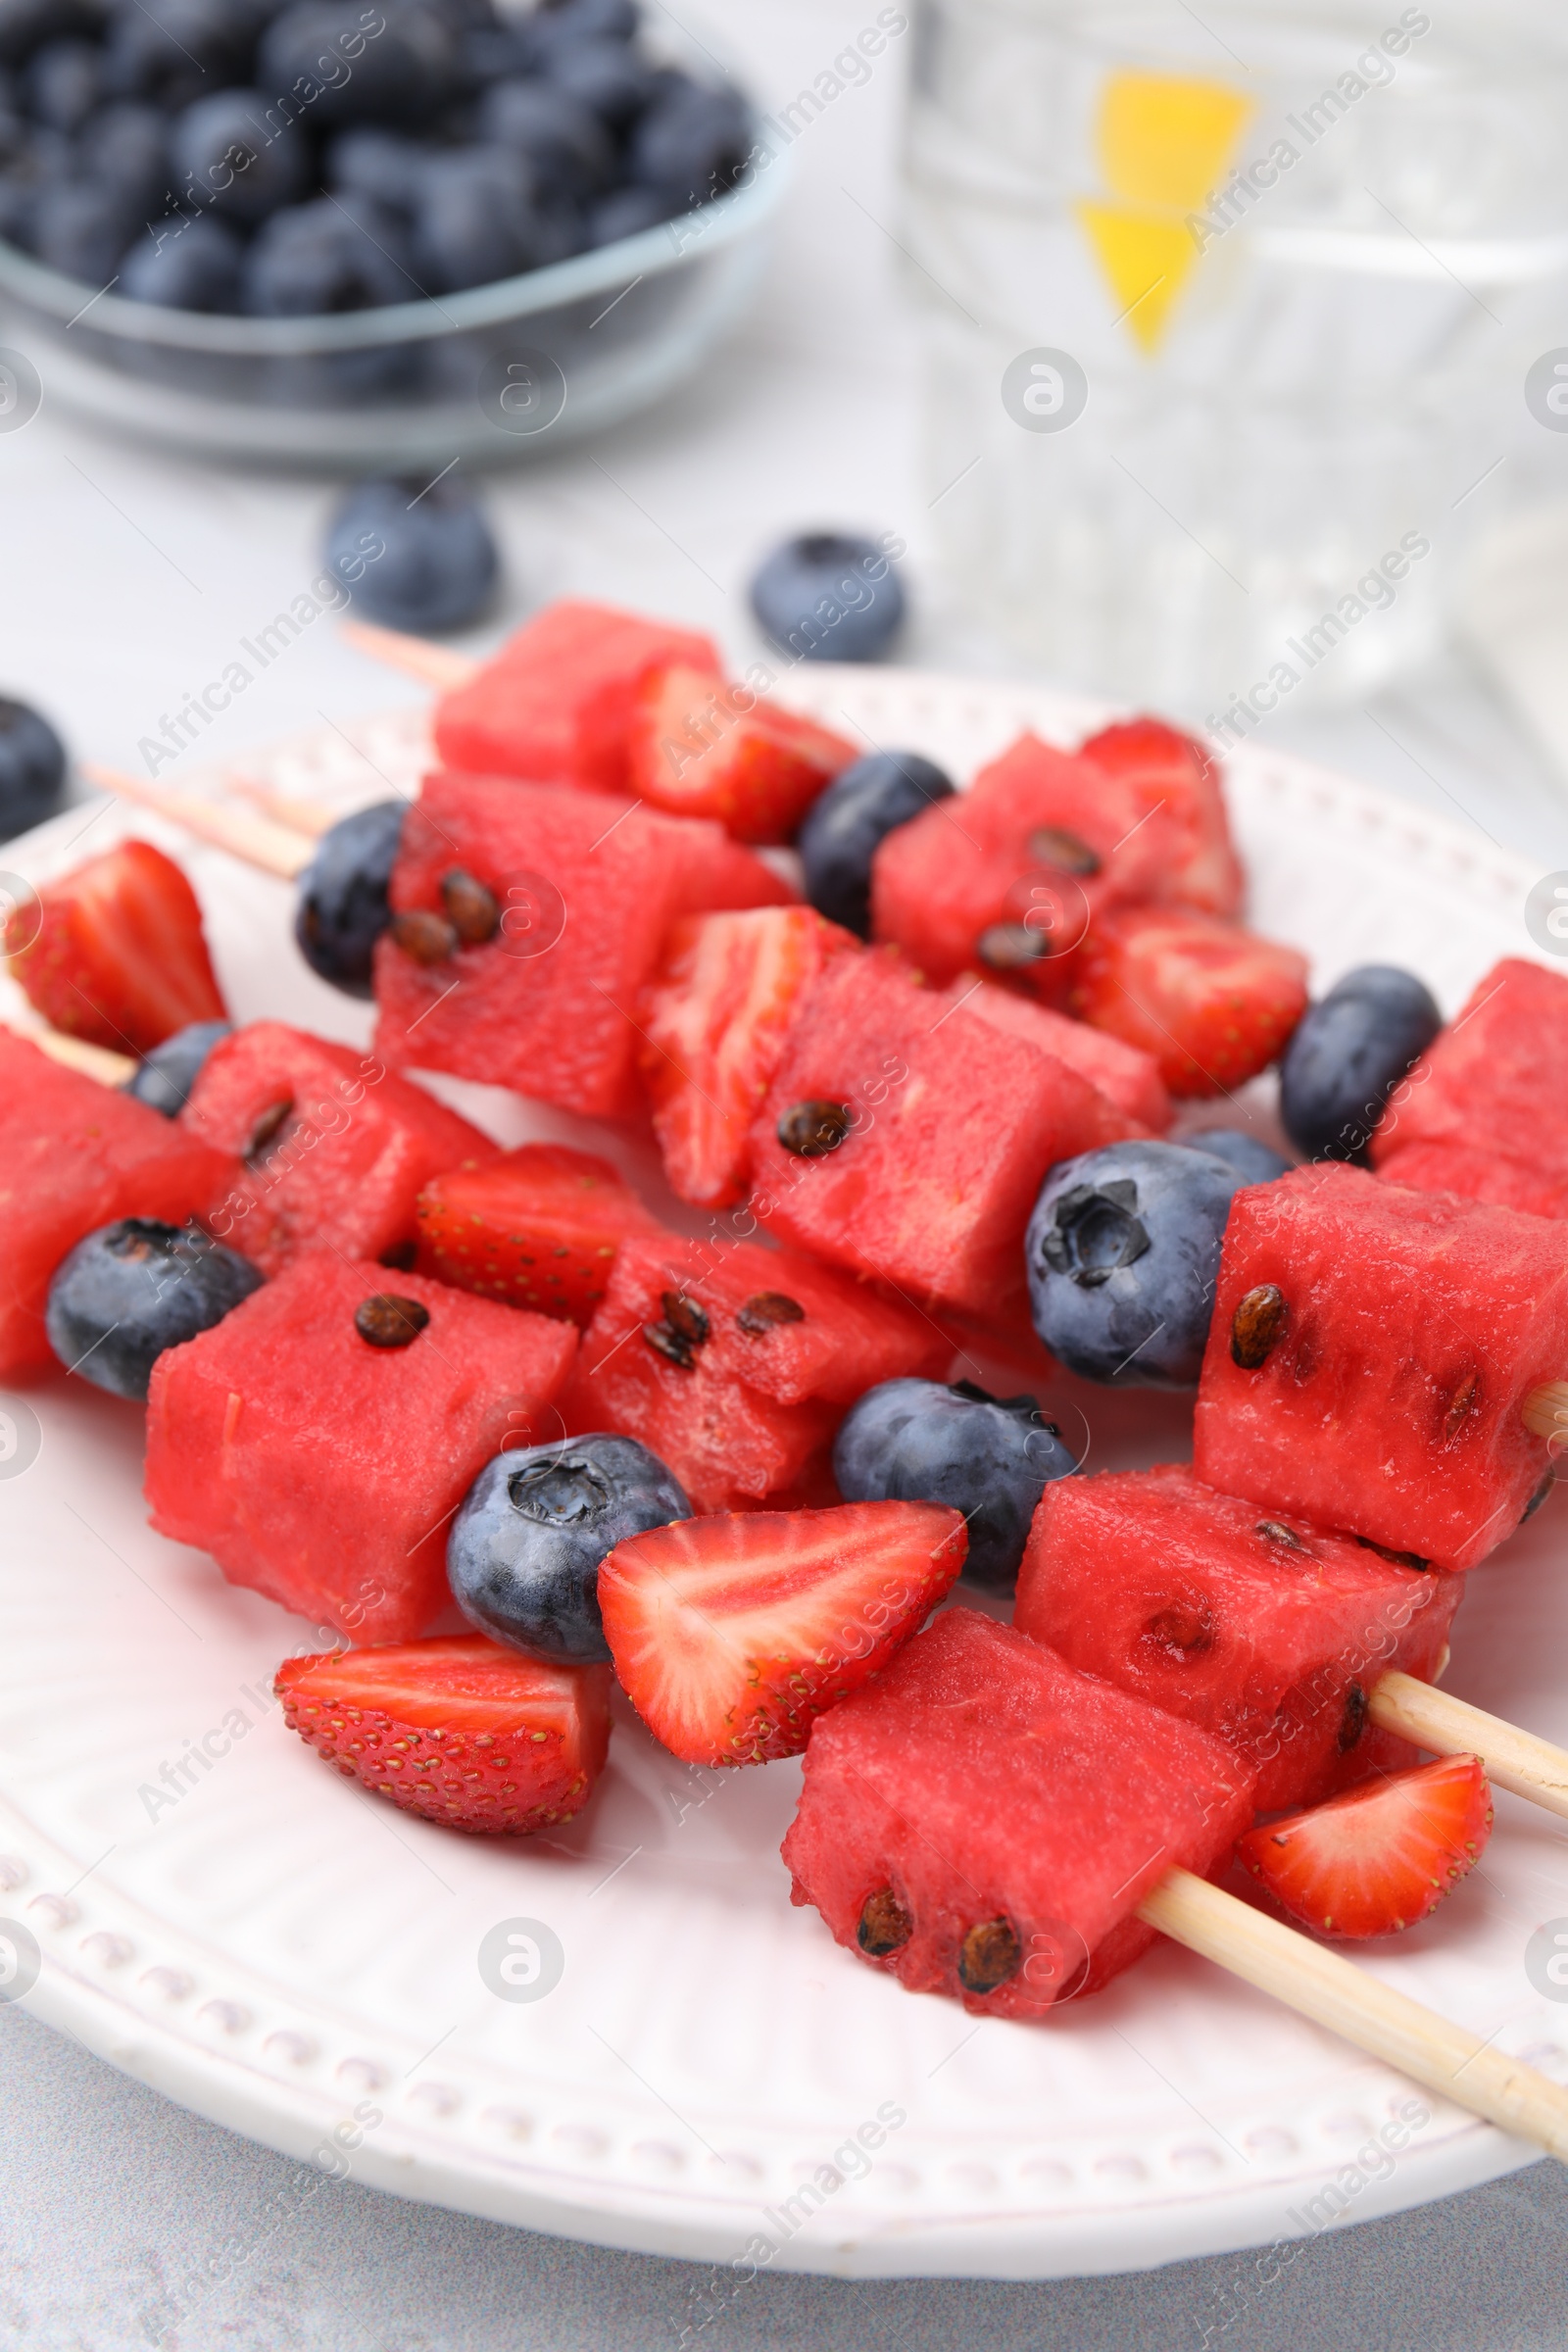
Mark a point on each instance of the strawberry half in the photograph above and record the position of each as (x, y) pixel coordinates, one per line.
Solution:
(698, 748)
(714, 1021)
(1213, 1003)
(456, 1728)
(731, 1634)
(538, 1227)
(1177, 774)
(1381, 1856)
(118, 957)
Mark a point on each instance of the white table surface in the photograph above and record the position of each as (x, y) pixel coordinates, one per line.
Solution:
(126, 580)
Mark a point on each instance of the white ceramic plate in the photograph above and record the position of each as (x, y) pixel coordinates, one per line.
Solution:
(298, 1961)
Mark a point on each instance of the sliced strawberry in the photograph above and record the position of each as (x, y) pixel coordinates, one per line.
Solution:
(1381, 1856)
(468, 1734)
(731, 1634)
(1175, 773)
(538, 1227)
(115, 952)
(1213, 1003)
(698, 748)
(715, 1020)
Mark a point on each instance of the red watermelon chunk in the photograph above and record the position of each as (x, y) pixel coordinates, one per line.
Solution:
(555, 705)
(736, 1364)
(76, 1156)
(1268, 1632)
(1496, 1080)
(583, 897)
(538, 1227)
(322, 1469)
(1011, 872)
(714, 1021)
(984, 1822)
(1477, 1174)
(1213, 1004)
(117, 953)
(1370, 1352)
(1181, 777)
(700, 748)
(949, 1125)
(335, 1147)
(1124, 1074)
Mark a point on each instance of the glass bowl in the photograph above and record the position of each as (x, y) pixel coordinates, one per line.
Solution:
(494, 372)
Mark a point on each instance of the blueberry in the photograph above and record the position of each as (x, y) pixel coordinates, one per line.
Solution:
(1253, 1163)
(63, 84)
(1349, 1054)
(165, 1079)
(342, 908)
(25, 24)
(336, 254)
(625, 212)
(844, 824)
(476, 220)
(384, 165)
(185, 265)
(81, 230)
(560, 23)
(135, 1288)
(228, 152)
(605, 76)
(1122, 1252)
(405, 73)
(499, 52)
(523, 1556)
(691, 144)
(829, 597)
(179, 50)
(991, 1457)
(124, 148)
(566, 146)
(440, 565)
(32, 768)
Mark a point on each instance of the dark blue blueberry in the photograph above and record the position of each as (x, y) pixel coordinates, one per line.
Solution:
(691, 144)
(32, 768)
(438, 566)
(476, 220)
(337, 254)
(1253, 1163)
(607, 77)
(232, 153)
(1349, 1054)
(185, 265)
(566, 22)
(1122, 1252)
(383, 165)
(991, 1457)
(63, 84)
(180, 49)
(405, 73)
(625, 212)
(124, 147)
(829, 597)
(165, 1079)
(564, 144)
(342, 907)
(25, 24)
(524, 1551)
(499, 52)
(81, 230)
(844, 824)
(135, 1288)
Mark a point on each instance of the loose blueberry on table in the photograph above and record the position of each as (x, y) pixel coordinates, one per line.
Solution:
(829, 596)
(32, 768)
(438, 565)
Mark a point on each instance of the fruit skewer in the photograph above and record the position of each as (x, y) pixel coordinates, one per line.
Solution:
(258, 840)
(434, 666)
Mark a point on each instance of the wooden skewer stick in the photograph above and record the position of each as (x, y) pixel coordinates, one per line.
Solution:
(1321, 1984)
(295, 815)
(76, 1053)
(434, 666)
(275, 849)
(1517, 1760)
(1546, 1410)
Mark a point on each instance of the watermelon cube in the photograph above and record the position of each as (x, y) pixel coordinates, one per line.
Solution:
(983, 1820)
(579, 895)
(335, 1147)
(1125, 1074)
(714, 1020)
(1494, 1080)
(700, 748)
(906, 1138)
(555, 705)
(1010, 873)
(1476, 1173)
(76, 1156)
(735, 1365)
(1268, 1632)
(1213, 1004)
(1369, 1355)
(316, 1444)
(1175, 773)
(537, 1227)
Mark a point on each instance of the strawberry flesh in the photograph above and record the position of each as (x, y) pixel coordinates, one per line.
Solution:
(115, 952)
(731, 1634)
(1213, 1003)
(1381, 1856)
(456, 1728)
(700, 748)
(539, 1227)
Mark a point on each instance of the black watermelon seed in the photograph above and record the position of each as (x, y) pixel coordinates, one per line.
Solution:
(811, 1130)
(266, 1127)
(685, 1317)
(769, 1309)
(423, 937)
(1462, 1402)
(1354, 1722)
(989, 1955)
(672, 1345)
(474, 912)
(1187, 1632)
(885, 1925)
(1067, 852)
(1256, 1324)
(1274, 1531)
(1012, 947)
(387, 1321)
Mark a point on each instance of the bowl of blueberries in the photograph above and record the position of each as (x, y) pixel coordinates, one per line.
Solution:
(367, 232)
